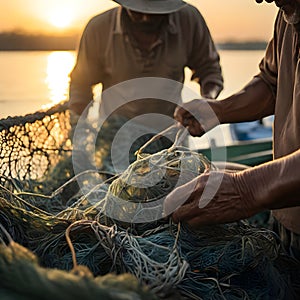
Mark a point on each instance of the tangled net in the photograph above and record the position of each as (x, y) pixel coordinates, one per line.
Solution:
(75, 234)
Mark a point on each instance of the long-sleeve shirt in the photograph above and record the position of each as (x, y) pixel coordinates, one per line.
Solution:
(108, 55)
(281, 71)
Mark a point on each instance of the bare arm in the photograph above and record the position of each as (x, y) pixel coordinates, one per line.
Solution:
(277, 183)
(253, 102)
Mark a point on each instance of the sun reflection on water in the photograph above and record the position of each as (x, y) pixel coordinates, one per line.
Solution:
(59, 66)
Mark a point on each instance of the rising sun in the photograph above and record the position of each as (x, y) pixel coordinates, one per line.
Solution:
(61, 18)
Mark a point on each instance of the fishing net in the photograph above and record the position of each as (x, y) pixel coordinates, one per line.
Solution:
(107, 237)
(23, 278)
(108, 132)
(32, 145)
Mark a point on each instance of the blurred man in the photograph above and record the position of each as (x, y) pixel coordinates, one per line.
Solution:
(143, 39)
(274, 185)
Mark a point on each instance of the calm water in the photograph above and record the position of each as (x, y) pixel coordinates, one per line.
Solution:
(33, 80)
(29, 80)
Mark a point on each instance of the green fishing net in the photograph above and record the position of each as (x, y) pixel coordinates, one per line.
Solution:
(22, 278)
(106, 237)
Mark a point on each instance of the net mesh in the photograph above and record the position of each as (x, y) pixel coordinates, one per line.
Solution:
(32, 144)
(57, 223)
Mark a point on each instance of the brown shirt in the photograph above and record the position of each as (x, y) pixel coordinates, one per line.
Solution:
(281, 71)
(107, 55)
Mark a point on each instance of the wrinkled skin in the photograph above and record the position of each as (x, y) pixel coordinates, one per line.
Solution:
(227, 205)
(222, 197)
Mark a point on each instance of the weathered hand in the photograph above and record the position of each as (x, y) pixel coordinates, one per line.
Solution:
(221, 197)
(210, 90)
(211, 198)
(197, 116)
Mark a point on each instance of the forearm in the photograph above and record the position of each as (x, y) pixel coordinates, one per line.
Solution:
(253, 102)
(275, 184)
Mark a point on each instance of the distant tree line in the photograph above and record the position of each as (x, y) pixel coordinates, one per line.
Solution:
(25, 41)
(251, 45)
(21, 41)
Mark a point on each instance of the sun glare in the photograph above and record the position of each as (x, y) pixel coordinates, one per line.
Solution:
(60, 63)
(61, 18)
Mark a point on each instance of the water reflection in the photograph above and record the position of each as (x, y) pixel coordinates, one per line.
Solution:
(59, 65)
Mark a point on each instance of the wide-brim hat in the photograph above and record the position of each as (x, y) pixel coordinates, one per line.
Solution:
(152, 6)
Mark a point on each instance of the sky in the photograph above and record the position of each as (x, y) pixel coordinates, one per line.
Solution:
(237, 20)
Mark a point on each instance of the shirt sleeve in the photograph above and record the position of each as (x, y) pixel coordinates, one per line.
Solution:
(268, 65)
(204, 60)
(87, 70)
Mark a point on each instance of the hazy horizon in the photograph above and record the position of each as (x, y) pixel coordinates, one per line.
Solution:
(21, 40)
(227, 20)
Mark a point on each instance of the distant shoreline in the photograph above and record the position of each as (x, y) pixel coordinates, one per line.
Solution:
(242, 45)
(14, 41)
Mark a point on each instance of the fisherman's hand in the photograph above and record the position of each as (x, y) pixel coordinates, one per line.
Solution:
(197, 116)
(226, 199)
(210, 90)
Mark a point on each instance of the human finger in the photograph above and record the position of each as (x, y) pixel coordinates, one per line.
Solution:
(181, 114)
(194, 127)
(186, 212)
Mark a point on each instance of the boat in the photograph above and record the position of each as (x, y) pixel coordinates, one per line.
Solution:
(250, 153)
